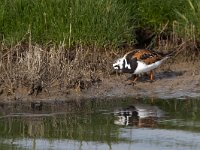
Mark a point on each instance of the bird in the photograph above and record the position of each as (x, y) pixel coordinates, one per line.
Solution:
(140, 61)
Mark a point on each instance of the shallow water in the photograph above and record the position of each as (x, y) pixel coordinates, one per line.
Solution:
(102, 124)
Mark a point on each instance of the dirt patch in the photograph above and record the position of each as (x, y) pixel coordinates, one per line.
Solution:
(171, 81)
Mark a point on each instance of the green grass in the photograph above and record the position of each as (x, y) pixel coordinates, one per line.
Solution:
(99, 22)
(156, 12)
(185, 14)
(189, 20)
(70, 21)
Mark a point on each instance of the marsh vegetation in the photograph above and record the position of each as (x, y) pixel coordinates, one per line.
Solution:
(61, 45)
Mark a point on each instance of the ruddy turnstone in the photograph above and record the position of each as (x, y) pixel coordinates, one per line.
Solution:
(139, 61)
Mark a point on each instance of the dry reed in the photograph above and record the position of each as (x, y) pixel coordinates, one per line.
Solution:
(35, 68)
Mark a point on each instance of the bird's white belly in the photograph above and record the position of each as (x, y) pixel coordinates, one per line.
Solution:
(142, 67)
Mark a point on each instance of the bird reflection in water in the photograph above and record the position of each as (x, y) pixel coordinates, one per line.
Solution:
(138, 115)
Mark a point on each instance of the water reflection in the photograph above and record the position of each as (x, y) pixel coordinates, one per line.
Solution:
(138, 115)
(107, 124)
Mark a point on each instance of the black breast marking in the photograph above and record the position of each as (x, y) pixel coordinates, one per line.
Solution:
(130, 55)
(132, 60)
(133, 64)
(126, 70)
(123, 64)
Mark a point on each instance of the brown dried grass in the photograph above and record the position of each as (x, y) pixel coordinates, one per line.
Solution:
(33, 68)
(183, 41)
(36, 68)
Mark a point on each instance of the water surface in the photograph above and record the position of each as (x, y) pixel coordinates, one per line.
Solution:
(102, 124)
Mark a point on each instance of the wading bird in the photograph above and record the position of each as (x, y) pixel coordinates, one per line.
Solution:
(139, 61)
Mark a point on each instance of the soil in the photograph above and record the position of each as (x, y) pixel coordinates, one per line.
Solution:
(172, 80)
(177, 80)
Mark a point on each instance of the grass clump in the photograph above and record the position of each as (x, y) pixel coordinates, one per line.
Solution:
(189, 20)
(32, 69)
(101, 22)
(71, 43)
(92, 22)
(173, 25)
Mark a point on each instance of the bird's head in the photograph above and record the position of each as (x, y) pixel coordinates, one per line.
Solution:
(119, 64)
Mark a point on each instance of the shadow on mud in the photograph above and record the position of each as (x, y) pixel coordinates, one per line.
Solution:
(162, 75)
(170, 74)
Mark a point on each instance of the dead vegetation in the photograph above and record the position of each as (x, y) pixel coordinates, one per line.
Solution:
(35, 69)
(187, 46)
(30, 69)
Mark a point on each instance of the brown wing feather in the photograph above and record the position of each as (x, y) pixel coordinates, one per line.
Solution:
(151, 60)
(144, 55)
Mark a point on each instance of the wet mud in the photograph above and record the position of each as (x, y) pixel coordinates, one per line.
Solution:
(181, 80)
(172, 80)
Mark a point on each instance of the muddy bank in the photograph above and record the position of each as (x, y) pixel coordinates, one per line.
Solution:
(177, 80)
(172, 80)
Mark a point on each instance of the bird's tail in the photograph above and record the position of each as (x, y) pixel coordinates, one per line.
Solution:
(165, 58)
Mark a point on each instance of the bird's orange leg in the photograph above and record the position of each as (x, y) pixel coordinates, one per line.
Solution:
(133, 79)
(151, 76)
